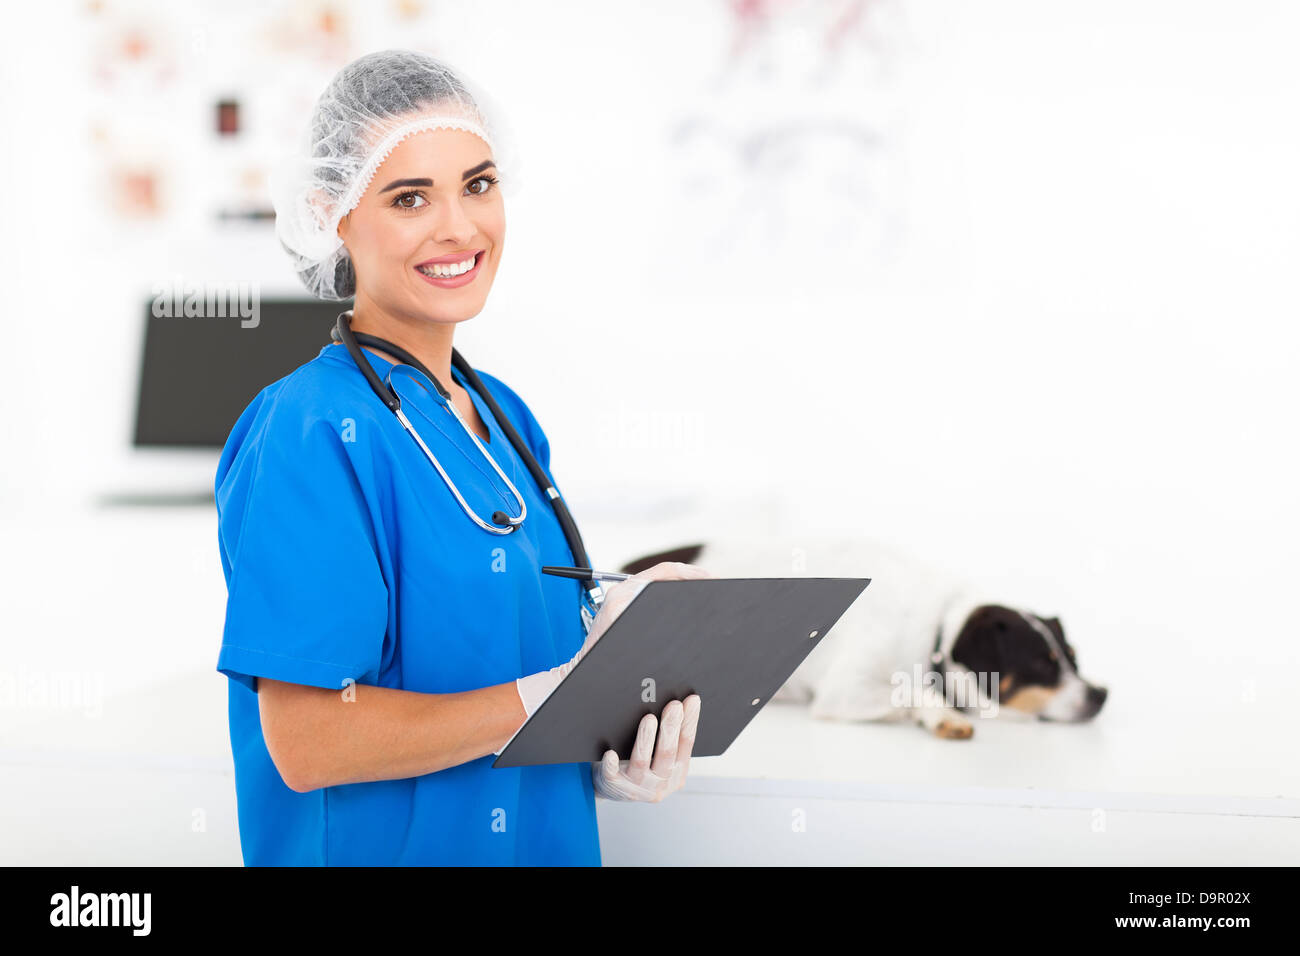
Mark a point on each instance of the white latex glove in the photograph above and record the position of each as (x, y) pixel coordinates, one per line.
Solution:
(535, 688)
(640, 778)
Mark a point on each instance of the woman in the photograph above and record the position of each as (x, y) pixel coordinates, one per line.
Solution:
(381, 645)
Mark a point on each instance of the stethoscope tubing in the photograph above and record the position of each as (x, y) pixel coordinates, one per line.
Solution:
(495, 529)
(353, 341)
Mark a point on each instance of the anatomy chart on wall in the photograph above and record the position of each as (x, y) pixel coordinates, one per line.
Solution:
(791, 150)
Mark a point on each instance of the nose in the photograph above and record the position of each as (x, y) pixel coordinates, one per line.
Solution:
(1096, 696)
(455, 225)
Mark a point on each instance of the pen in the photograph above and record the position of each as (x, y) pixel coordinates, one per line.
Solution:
(583, 574)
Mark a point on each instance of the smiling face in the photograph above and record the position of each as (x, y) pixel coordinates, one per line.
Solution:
(434, 200)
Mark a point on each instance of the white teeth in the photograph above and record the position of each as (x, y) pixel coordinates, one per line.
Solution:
(448, 271)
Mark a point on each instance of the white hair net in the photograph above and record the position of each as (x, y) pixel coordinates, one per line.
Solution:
(370, 106)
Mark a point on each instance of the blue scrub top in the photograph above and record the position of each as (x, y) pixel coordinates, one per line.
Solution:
(346, 557)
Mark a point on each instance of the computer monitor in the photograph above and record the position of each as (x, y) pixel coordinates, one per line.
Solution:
(199, 373)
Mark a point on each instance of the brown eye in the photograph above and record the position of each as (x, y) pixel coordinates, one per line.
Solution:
(402, 203)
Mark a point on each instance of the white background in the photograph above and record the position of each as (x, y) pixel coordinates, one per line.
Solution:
(1066, 371)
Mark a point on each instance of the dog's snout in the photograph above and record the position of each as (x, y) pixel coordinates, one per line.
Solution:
(1093, 698)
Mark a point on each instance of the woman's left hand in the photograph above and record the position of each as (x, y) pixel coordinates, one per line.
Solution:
(642, 778)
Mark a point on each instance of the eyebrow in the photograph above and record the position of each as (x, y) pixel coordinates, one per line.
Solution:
(398, 183)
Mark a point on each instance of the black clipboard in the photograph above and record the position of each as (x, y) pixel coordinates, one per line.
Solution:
(733, 641)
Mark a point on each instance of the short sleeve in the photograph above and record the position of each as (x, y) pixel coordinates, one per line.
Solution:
(306, 598)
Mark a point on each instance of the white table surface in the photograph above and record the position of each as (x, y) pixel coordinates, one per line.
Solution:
(131, 600)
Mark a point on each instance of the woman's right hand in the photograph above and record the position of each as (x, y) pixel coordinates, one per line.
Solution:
(535, 688)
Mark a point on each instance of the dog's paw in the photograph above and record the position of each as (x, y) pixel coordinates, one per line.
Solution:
(951, 728)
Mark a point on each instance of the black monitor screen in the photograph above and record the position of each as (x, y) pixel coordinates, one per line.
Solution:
(200, 373)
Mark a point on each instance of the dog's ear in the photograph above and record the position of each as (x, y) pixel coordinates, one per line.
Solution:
(981, 643)
(1001, 636)
(1054, 625)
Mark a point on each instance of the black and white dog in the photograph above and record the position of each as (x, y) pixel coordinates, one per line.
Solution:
(916, 645)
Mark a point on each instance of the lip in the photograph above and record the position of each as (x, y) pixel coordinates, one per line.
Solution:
(454, 282)
(454, 257)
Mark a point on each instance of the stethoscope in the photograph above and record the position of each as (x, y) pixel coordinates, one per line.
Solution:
(502, 523)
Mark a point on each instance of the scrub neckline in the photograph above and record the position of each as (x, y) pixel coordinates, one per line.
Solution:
(484, 413)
